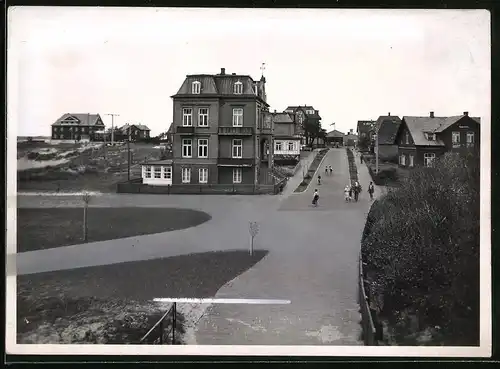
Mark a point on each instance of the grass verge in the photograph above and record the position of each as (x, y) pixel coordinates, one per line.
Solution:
(113, 303)
(310, 172)
(43, 228)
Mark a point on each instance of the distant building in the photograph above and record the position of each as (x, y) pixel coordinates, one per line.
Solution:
(335, 138)
(137, 132)
(422, 139)
(387, 127)
(303, 115)
(351, 138)
(77, 127)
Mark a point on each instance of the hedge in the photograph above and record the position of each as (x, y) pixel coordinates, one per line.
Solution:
(421, 249)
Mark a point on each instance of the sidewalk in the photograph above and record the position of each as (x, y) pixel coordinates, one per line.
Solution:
(293, 182)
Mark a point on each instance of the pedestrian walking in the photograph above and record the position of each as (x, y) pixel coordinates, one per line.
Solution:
(350, 191)
(331, 170)
(357, 190)
(319, 180)
(361, 158)
(326, 170)
(315, 198)
(371, 190)
(347, 197)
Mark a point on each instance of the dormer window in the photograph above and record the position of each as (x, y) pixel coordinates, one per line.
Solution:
(238, 88)
(431, 136)
(311, 112)
(196, 87)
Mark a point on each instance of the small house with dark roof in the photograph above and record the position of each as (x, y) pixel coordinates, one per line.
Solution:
(386, 127)
(77, 127)
(286, 137)
(136, 132)
(335, 138)
(364, 128)
(421, 139)
(351, 138)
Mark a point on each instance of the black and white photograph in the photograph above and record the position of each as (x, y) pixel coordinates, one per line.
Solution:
(215, 181)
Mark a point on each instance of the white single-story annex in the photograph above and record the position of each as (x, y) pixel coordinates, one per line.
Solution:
(287, 146)
(157, 173)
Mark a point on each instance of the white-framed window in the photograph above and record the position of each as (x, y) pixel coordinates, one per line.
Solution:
(300, 118)
(256, 90)
(203, 147)
(167, 172)
(310, 112)
(291, 146)
(277, 146)
(237, 117)
(186, 175)
(429, 158)
(407, 138)
(147, 171)
(411, 160)
(238, 88)
(196, 87)
(455, 138)
(187, 117)
(203, 117)
(402, 159)
(470, 139)
(431, 136)
(237, 175)
(203, 175)
(157, 172)
(237, 149)
(187, 148)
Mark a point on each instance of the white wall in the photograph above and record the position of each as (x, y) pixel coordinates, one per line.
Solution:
(284, 147)
(157, 181)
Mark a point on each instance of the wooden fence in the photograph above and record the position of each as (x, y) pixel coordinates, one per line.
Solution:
(367, 323)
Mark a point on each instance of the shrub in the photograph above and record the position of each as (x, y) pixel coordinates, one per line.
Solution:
(32, 155)
(421, 249)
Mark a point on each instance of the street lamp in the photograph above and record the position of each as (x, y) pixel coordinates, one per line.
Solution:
(376, 153)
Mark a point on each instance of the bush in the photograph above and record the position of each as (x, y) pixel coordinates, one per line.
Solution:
(421, 249)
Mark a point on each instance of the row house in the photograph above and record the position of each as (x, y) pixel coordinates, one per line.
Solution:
(77, 127)
(421, 139)
(219, 132)
(286, 136)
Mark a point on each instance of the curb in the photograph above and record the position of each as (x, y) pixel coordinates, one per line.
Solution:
(314, 175)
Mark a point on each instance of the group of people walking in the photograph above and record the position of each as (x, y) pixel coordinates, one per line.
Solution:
(351, 193)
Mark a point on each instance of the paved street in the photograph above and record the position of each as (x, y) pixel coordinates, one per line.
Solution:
(312, 260)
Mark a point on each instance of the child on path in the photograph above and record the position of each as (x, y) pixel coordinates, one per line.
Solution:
(315, 198)
(331, 170)
(357, 190)
(319, 179)
(350, 192)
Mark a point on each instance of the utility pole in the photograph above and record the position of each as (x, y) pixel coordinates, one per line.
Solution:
(376, 153)
(113, 127)
(128, 153)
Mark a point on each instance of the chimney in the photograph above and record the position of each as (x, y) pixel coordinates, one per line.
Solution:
(223, 71)
(432, 114)
(233, 74)
(389, 114)
(466, 113)
(274, 110)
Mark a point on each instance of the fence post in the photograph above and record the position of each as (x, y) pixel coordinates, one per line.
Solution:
(174, 318)
(161, 332)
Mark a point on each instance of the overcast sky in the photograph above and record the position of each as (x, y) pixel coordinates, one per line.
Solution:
(349, 64)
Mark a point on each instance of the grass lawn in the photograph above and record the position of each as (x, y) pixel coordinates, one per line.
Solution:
(85, 304)
(43, 228)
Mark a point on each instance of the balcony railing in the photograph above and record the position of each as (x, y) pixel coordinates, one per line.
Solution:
(235, 161)
(185, 129)
(236, 131)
